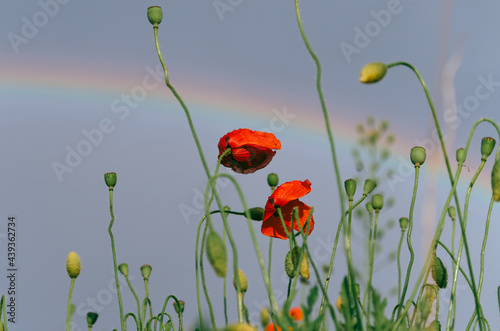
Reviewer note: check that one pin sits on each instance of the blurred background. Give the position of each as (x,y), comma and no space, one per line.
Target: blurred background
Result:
(82,94)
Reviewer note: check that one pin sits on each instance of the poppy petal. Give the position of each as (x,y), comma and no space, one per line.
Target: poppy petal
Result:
(272,226)
(243,137)
(290,191)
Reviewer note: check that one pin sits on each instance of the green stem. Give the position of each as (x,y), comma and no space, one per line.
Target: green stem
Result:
(408,238)
(68,311)
(203,281)
(399,262)
(370,272)
(115,267)
(136,300)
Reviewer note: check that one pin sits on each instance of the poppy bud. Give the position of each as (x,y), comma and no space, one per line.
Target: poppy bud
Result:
(272,180)
(461,155)
(256,213)
(452,212)
(372,72)
(495,180)
(91,318)
(369,207)
(216,253)
(110,179)
(377,202)
(350,188)
(179,308)
(403,223)
(292,261)
(439,272)
(417,156)
(487,145)
(123,268)
(155,15)
(73,265)
(264,317)
(226,208)
(304,267)
(146,271)
(243,281)
(370,185)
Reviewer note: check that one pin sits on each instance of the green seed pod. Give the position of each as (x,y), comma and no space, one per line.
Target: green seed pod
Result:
(110,179)
(495,180)
(292,261)
(369,207)
(91,318)
(452,212)
(73,265)
(439,272)
(377,202)
(272,180)
(370,185)
(417,156)
(487,146)
(461,155)
(123,268)
(216,253)
(256,213)
(179,308)
(243,281)
(146,271)
(155,15)
(350,188)
(403,223)
(372,72)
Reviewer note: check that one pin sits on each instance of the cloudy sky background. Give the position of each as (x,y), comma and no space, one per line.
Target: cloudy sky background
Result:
(69,68)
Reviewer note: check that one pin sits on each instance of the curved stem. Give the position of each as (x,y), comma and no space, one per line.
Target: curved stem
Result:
(203,282)
(136,300)
(399,262)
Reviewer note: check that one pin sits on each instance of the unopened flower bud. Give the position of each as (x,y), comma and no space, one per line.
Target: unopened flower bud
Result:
(110,179)
(403,223)
(487,146)
(292,263)
(146,271)
(179,307)
(272,180)
(265,318)
(243,281)
(439,272)
(256,213)
(350,188)
(123,268)
(73,265)
(372,72)
(461,155)
(91,318)
(452,212)
(369,207)
(216,253)
(155,15)
(377,202)
(417,156)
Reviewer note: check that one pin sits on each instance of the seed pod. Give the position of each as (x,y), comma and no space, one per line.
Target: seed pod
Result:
(439,272)
(377,202)
(91,318)
(370,185)
(146,271)
(487,146)
(403,223)
(461,155)
(123,268)
(110,179)
(452,212)
(417,156)
(216,253)
(350,188)
(372,72)
(73,265)
(155,15)
(243,281)
(495,180)
(256,213)
(272,180)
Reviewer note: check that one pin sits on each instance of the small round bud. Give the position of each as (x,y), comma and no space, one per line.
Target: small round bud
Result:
(370,185)
(256,213)
(372,72)
(272,180)
(350,188)
(369,207)
(452,212)
(110,179)
(73,265)
(155,15)
(439,272)
(226,208)
(487,146)
(461,155)
(403,223)
(123,268)
(495,180)
(216,253)
(377,202)
(179,308)
(243,281)
(265,318)
(417,156)
(91,318)
(146,271)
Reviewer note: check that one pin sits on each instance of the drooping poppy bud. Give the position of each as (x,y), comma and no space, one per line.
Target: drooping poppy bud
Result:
(243,281)
(417,156)
(73,265)
(179,307)
(372,72)
(452,212)
(216,253)
(155,15)
(256,213)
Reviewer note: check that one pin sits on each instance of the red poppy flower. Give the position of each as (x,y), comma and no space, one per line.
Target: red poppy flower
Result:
(286,196)
(250,150)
